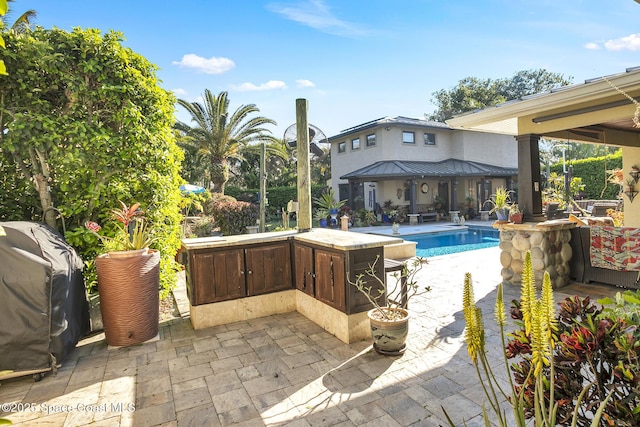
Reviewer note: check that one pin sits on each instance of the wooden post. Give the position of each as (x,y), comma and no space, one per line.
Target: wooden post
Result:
(263,186)
(304,168)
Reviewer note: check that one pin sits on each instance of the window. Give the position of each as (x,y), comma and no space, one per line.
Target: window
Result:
(429,139)
(355,144)
(371,140)
(342,147)
(408,137)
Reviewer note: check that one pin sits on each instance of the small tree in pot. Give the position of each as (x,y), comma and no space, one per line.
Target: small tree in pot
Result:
(389,317)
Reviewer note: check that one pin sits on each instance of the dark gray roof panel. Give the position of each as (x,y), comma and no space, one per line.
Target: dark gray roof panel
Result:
(407,169)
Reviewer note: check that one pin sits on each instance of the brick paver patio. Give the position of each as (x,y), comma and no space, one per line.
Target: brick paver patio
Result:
(280,370)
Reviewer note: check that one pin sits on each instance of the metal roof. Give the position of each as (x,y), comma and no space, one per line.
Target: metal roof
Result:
(412,169)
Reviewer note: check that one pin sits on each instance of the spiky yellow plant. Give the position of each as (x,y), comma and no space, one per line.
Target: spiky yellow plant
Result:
(474,332)
(527,292)
(541,325)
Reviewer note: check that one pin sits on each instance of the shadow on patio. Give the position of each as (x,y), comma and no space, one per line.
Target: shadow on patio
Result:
(278,370)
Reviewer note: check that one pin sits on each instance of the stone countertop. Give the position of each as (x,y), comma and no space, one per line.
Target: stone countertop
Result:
(330,238)
(555,224)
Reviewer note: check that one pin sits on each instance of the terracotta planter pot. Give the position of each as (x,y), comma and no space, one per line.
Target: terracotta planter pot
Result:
(516,218)
(129,297)
(389,336)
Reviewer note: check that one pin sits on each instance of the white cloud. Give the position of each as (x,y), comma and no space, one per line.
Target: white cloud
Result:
(592,46)
(302,83)
(316,14)
(211,65)
(250,87)
(179,91)
(630,42)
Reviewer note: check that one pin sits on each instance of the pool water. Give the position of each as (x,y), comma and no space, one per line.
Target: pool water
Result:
(451,242)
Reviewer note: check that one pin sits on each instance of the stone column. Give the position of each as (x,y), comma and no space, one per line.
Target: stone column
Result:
(549,247)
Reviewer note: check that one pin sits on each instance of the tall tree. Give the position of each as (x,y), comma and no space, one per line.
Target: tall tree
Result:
(472,93)
(219,136)
(23,22)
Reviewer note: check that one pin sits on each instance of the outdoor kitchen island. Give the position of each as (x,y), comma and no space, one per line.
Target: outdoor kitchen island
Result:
(235,278)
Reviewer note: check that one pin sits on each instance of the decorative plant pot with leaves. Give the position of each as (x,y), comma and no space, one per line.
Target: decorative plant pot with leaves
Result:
(516,218)
(502,214)
(389,335)
(389,319)
(128,279)
(129,297)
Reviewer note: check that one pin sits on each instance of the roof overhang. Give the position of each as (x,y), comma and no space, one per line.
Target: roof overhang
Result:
(594,112)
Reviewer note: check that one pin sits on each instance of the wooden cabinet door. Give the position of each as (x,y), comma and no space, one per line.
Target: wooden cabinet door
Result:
(330,278)
(268,268)
(217,276)
(303,265)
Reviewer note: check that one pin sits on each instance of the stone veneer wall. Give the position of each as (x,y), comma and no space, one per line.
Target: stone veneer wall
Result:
(550,251)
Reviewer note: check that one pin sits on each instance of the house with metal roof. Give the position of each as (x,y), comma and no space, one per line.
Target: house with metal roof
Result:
(420,165)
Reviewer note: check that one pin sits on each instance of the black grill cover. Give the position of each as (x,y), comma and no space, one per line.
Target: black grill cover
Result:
(43,304)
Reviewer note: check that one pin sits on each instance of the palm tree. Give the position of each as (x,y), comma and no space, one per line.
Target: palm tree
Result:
(219,136)
(23,22)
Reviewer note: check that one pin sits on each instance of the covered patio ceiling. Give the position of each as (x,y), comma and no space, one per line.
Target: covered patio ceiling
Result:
(593,111)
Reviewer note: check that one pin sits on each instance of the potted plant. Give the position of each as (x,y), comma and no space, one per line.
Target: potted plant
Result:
(389,317)
(321,216)
(128,279)
(500,202)
(516,216)
(328,202)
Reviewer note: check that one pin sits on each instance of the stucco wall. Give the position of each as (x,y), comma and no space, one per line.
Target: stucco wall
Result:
(493,149)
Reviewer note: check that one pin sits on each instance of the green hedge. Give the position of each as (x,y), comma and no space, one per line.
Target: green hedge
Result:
(593,172)
(278,197)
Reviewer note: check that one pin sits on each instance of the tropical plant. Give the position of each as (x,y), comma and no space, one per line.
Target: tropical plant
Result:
(328,201)
(131,230)
(23,22)
(540,374)
(386,300)
(219,135)
(366,217)
(499,200)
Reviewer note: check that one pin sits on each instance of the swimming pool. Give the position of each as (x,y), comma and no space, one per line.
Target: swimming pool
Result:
(451,242)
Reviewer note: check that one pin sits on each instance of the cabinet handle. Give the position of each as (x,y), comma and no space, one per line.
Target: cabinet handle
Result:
(249,272)
(241,272)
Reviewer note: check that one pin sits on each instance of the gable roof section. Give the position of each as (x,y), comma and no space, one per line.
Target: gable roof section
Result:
(412,169)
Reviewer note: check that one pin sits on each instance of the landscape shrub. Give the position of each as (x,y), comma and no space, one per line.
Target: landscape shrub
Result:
(84,120)
(232,217)
(209,205)
(597,349)
(593,172)
(202,227)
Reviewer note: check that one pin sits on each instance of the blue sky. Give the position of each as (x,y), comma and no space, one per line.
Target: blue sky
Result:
(355,60)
